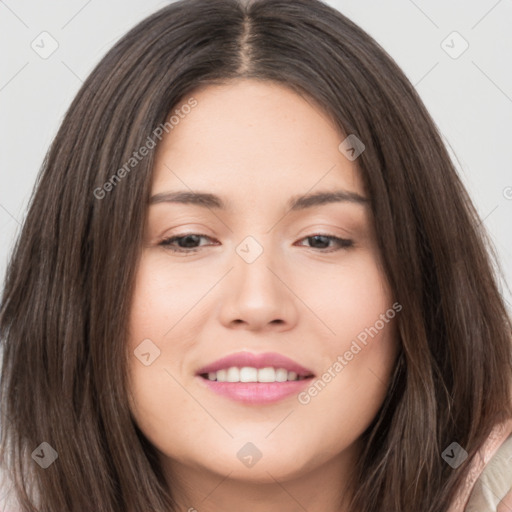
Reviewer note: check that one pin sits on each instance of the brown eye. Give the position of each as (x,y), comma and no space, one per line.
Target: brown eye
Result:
(190,242)
(183,243)
(321,242)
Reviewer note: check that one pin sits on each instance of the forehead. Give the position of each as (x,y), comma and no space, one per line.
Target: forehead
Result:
(254,138)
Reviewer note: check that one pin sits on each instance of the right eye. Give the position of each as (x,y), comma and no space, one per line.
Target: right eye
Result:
(186,243)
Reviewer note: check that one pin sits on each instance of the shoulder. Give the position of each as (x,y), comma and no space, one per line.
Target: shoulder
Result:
(493,489)
(488,487)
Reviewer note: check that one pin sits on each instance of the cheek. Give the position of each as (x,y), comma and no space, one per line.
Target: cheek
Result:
(349,297)
(359,355)
(166,316)
(347,396)
(161,299)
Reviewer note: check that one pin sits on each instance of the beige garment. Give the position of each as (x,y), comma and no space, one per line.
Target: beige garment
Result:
(488,487)
(493,489)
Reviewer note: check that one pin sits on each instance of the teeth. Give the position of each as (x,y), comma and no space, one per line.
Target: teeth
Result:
(233,375)
(267,374)
(281,375)
(249,374)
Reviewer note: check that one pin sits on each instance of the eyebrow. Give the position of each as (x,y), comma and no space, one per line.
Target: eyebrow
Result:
(295,203)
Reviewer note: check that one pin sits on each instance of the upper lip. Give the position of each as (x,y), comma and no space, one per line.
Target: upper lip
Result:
(267,359)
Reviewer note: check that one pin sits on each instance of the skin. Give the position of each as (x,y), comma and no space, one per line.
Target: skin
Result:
(257,144)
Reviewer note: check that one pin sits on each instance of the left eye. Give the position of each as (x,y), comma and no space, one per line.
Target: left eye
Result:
(343,243)
(188,243)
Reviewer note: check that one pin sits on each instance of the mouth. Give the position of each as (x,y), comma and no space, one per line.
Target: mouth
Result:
(251,374)
(255,378)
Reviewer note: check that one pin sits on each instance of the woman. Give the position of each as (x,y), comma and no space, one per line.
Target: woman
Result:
(175,339)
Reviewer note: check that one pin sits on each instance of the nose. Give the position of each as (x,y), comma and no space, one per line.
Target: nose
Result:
(258,296)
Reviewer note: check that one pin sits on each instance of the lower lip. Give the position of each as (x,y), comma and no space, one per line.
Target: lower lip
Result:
(256,392)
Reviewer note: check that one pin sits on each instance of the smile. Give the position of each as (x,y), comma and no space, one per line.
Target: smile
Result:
(255,378)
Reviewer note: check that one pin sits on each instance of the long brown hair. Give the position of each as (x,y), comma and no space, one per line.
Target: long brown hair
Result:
(68,288)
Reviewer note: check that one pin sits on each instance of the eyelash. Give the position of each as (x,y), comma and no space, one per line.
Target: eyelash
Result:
(166,243)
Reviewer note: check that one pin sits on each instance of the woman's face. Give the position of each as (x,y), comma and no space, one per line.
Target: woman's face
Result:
(253,278)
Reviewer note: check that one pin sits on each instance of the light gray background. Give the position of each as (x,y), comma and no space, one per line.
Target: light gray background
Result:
(469,97)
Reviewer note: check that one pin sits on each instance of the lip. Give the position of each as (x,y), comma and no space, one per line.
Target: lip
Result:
(241,359)
(256,392)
